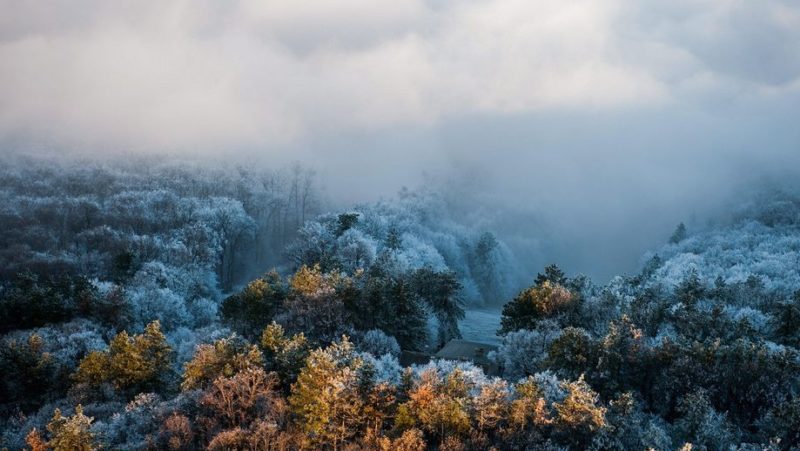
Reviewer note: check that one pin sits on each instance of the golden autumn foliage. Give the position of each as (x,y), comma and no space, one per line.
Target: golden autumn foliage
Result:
(130,363)
(326,398)
(536,303)
(580,413)
(70,433)
(225,357)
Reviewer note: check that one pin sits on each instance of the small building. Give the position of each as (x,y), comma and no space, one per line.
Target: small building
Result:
(470,351)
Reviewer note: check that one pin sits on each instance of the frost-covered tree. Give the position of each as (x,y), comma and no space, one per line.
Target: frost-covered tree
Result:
(377,343)
(230,220)
(703,426)
(487,267)
(523,352)
(440,291)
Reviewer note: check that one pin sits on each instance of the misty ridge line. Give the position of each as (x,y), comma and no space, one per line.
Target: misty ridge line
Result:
(535,235)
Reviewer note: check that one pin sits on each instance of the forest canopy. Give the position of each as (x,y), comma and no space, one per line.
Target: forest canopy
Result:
(162,306)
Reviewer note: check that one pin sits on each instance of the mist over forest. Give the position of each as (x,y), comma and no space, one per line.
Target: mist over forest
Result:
(400,225)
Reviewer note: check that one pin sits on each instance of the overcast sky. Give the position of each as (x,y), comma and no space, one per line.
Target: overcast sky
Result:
(614,116)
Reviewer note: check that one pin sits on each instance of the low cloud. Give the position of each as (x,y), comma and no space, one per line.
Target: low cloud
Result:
(584,129)
(185,75)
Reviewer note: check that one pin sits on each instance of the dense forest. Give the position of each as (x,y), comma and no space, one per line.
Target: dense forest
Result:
(156,305)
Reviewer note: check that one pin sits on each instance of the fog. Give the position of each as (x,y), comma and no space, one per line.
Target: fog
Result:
(590,191)
(582,132)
